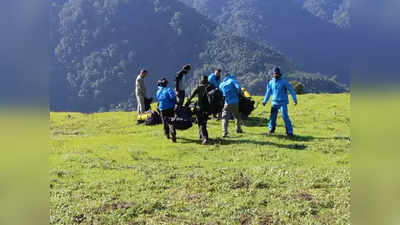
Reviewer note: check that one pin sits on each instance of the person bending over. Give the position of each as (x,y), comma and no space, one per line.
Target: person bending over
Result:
(166,103)
(278,88)
(179,82)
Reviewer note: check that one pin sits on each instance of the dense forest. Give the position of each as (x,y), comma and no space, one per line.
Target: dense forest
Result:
(100,45)
(315,33)
(336,12)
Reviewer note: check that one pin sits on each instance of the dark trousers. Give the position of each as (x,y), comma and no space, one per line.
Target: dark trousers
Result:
(202,118)
(180,98)
(169,127)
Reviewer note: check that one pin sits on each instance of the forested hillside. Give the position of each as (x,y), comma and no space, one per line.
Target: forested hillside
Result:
(315,33)
(336,11)
(100,45)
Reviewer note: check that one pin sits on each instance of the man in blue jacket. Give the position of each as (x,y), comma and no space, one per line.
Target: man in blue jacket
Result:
(279,88)
(166,103)
(215,78)
(231,90)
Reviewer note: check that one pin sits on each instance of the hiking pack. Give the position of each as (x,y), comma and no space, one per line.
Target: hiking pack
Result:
(143,116)
(246,105)
(183,119)
(150,117)
(153,119)
(147,103)
(215,100)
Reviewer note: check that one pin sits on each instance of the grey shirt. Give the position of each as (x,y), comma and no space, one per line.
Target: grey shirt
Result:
(140,86)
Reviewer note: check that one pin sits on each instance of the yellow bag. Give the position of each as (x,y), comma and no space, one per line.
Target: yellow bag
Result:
(144,116)
(246,93)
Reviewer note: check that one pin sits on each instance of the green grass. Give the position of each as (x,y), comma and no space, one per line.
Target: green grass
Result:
(104,169)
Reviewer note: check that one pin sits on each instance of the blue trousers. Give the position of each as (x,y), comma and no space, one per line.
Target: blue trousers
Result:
(274,115)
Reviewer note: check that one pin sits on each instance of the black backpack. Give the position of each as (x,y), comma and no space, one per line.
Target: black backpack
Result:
(215,99)
(147,103)
(246,105)
(183,119)
(153,119)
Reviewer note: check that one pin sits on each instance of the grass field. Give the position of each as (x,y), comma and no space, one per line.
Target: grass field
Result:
(104,169)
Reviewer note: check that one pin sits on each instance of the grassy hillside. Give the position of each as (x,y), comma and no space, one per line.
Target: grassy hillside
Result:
(104,169)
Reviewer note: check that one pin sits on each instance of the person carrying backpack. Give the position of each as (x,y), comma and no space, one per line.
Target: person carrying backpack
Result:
(166,103)
(179,82)
(201,92)
(215,78)
(231,90)
(279,88)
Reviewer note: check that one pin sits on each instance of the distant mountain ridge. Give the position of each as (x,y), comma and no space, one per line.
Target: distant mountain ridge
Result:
(100,45)
(315,33)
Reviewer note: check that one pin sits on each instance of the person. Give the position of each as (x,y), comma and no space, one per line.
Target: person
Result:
(231,90)
(201,108)
(278,88)
(179,82)
(166,103)
(140,91)
(215,78)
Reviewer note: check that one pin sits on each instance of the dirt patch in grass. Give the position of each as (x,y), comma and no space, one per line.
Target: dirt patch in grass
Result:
(262,185)
(66,133)
(79,218)
(241,181)
(110,206)
(304,196)
(138,155)
(194,197)
(266,219)
(245,220)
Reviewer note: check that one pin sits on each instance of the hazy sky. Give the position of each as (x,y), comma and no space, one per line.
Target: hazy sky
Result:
(24,49)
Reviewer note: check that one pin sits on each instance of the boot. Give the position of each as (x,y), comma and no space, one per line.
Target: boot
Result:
(271,131)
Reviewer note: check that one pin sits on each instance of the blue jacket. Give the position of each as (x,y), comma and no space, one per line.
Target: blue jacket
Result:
(231,89)
(279,88)
(212,79)
(166,98)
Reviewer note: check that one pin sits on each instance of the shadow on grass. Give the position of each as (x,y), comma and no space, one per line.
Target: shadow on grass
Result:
(255,122)
(305,138)
(223,141)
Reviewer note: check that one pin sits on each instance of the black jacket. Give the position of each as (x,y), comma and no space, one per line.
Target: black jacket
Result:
(178,80)
(202,98)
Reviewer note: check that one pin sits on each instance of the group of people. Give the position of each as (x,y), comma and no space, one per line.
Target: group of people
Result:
(170,99)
